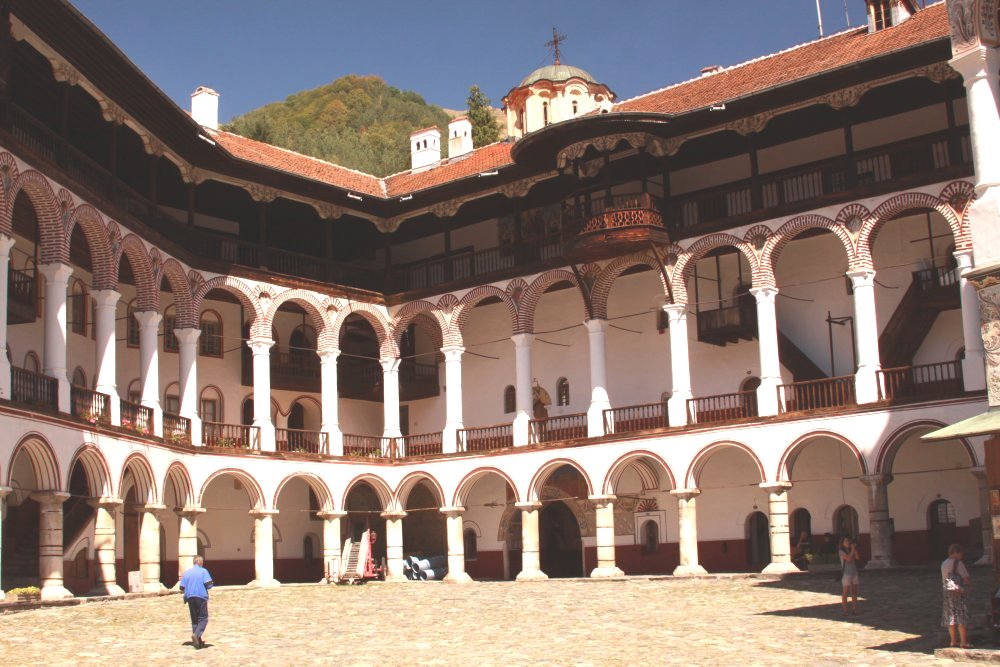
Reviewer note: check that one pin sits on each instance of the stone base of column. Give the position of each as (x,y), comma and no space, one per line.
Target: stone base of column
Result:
(391,578)
(107,589)
(689,570)
(58,592)
(449,438)
(866,385)
(531,575)
(154,587)
(521,429)
(264,583)
(880,564)
(595,419)
(677,408)
(780,568)
(458,578)
(987,559)
(974,371)
(606,573)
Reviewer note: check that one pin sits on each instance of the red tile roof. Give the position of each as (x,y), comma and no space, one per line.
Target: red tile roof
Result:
(482,159)
(793,64)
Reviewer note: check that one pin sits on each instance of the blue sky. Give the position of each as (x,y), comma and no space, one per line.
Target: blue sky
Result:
(258,51)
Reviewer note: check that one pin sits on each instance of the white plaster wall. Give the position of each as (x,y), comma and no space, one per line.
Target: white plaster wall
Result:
(227,523)
(479,236)
(801,151)
(944,341)
(707,175)
(925,472)
(900,126)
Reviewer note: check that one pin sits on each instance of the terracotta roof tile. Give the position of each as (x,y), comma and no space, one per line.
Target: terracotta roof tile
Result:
(482,159)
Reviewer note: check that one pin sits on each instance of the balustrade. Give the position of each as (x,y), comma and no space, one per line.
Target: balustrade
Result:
(230,436)
(298,440)
(631,418)
(89,405)
(365,446)
(136,417)
(722,407)
(176,429)
(835,392)
(926,381)
(485,438)
(422,444)
(560,427)
(35,389)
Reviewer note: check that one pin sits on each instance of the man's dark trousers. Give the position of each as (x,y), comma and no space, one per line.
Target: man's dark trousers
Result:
(199,616)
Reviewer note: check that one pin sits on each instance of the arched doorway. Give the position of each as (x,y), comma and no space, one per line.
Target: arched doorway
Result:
(560,542)
(364,510)
(942,529)
(845,523)
(424,528)
(758,540)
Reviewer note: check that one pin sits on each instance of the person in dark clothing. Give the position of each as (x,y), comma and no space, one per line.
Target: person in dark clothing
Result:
(195,583)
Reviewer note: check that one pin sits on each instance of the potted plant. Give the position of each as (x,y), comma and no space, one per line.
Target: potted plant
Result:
(24,594)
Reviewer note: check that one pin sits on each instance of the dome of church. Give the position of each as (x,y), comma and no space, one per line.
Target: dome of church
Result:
(557,73)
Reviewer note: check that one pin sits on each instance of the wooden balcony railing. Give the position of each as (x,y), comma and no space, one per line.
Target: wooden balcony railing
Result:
(230,436)
(366,446)
(835,392)
(631,418)
(927,381)
(21,296)
(421,444)
(935,277)
(722,408)
(619,211)
(136,417)
(34,389)
(485,438)
(176,429)
(298,440)
(89,405)
(730,323)
(560,427)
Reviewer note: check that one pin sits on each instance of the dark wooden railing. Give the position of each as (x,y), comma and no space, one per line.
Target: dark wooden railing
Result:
(618,211)
(21,296)
(176,429)
(730,323)
(835,392)
(230,436)
(722,408)
(89,405)
(367,446)
(136,417)
(560,427)
(485,438)
(631,418)
(298,440)
(421,444)
(35,389)
(927,381)
(935,277)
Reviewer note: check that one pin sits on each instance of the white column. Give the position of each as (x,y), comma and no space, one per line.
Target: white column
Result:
(105,554)
(979,68)
(394,545)
(777,521)
(187,379)
(331,544)
(149,547)
(6,243)
(531,563)
(187,538)
(330,400)
(261,348)
(974,364)
(50,544)
(770,364)
(880,523)
(522,388)
(866,335)
(599,401)
(604,509)
(4,492)
(456,546)
(453,420)
(149,365)
(986,517)
(680,367)
(105,308)
(54,362)
(687,538)
(263,548)
(390,406)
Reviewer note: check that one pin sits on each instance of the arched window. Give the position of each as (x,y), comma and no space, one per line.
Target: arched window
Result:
(297,417)
(78,308)
(131,325)
(172,399)
(509,399)
(562,391)
(79,377)
(845,523)
(575,107)
(210,340)
(210,405)
(248,412)
(308,551)
(650,537)
(31,362)
(134,391)
(302,346)
(545,113)
(469,543)
(170,343)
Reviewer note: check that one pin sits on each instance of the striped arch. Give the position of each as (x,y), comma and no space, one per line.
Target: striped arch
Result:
(43,462)
(315,311)
(96,467)
(378,484)
(139,474)
(538,287)
(893,207)
(176,275)
(645,464)
(791,453)
(468,482)
(8,172)
(179,481)
(237,288)
(960,195)
(422,309)
(791,229)
(147,291)
(52,235)
(693,476)
(374,317)
(472,299)
(250,485)
(315,483)
(407,484)
(890,446)
(91,222)
(687,259)
(601,291)
(538,481)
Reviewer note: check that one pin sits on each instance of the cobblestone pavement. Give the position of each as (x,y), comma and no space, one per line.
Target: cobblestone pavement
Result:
(795,621)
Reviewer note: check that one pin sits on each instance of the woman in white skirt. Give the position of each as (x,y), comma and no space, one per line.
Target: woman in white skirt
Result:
(955,582)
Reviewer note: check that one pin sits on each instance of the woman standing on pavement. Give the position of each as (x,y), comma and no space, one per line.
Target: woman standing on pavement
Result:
(955,581)
(849,573)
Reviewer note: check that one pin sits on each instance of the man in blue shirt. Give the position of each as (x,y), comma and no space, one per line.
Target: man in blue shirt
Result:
(195,583)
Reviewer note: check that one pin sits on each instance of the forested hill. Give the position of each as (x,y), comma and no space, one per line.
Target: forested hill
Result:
(359,122)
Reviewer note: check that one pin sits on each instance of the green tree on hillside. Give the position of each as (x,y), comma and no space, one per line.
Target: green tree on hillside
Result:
(484,124)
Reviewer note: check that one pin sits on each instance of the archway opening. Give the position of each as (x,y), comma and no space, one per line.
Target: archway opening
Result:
(299,554)
(758,541)
(424,528)
(228,527)
(729,480)
(564,512)
(489,500)
(364,512)
(78,517)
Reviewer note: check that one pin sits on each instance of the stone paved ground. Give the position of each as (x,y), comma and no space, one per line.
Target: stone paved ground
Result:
(796,621)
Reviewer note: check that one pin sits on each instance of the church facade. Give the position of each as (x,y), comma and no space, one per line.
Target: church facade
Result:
(703,329)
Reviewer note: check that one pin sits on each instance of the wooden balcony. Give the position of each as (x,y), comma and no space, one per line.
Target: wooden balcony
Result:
(366,446)
(34,389)
(633,418)
(835,392)
(176,429)
(298,440)
(722,408)
(616,225)
(485,438)
(21,297)
(420,444)
(561,427)
(924,382)
(136,417)
(729,324)
(89,405)
(230,436)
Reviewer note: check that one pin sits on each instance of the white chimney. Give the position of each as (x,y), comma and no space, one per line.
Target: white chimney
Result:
(205,107)
(459,136)
(425,148)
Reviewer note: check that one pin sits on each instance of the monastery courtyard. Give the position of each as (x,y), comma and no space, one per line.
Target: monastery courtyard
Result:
(758,621)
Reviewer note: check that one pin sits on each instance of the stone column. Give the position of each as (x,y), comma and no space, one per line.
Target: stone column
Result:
(974,364)
(261,348)
(6,243)
(187,538)
(331,544)
(599,400)
(531,564)
(986,517)
(880,523)
(105,553)
(687,537)
(149,547)
(394,545)
(187,379)
(680,368)
(263,548)
(54,355)
(453,420)
(522,388)
(604,508)
(50,544)
(456,546)
(329,400)
(4,492)
(770,364)
(866,335)
(105,306)
(149,365)
(390,386)
(777,521)
(979,67)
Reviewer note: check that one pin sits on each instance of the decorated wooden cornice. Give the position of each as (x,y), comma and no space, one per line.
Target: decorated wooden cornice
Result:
(974,23)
